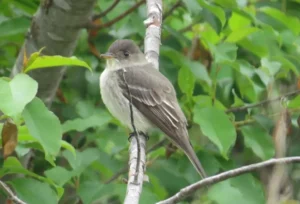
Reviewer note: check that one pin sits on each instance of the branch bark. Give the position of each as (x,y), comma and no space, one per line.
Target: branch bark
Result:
(56,27)
(152,43)
(118,18)
(153,31)
(104,13)
(264,102)
(135,182)
(226,175)
(11,194)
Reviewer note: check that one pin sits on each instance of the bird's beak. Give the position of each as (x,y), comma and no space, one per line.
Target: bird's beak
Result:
(107,55)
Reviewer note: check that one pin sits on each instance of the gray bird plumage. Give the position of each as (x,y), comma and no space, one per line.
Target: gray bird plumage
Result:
(152,94)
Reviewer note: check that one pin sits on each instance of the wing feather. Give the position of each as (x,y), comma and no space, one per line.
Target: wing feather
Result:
(155,97)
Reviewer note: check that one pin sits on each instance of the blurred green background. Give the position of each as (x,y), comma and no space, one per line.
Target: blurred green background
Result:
(219,54)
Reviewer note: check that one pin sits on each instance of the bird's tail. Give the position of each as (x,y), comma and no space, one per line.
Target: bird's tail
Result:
(189,151)
(184,143)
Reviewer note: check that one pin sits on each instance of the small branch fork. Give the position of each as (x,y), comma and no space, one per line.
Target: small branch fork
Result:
(264,102)
(104,13)
(118,18)
(226,175)
(13,197)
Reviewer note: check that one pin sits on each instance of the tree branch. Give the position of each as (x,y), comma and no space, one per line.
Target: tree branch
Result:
(226,175)
(100,15)
(175,6)
(118,18)
(57,28)
(152,43)
(236,109)
(13,197)
(125,168)
(153,31)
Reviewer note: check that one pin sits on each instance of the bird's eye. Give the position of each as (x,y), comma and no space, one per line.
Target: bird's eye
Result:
(126,54)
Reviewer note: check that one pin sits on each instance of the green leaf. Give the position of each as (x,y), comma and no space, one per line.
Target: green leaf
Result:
(186,81)
(68,146)
(82,159)
(240,34)
(238,22)
(259,141)
(14,26)
(81,124)
(216,125)
(199,71)
(242,189)
(13,166)
(33,191)
(16,94)
(44,126)
(237,101)
(204,101)
(55,61)
(246,86)
(224,52)
(295,102)
(216,10)
(91,190)
(292,23)
(59,175)
(271,67)
(192,6)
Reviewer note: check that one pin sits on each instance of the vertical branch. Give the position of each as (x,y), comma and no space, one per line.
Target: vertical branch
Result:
(152,43)
(153,31)
(134,188)
(279,178)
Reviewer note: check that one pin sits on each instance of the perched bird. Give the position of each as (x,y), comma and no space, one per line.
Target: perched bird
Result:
(152,95)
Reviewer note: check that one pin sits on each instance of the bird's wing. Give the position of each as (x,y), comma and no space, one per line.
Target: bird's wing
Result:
(154,96)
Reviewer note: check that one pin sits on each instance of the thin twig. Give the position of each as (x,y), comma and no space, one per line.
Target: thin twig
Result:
(118,18)
(226,175)
(100,15)
(189,27)
(235,109)
(13,197)
(125,168)
(175,6)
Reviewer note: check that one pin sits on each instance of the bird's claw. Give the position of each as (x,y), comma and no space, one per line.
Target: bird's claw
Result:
(132,134)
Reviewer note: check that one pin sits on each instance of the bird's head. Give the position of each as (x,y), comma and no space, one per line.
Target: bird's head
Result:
(122,53)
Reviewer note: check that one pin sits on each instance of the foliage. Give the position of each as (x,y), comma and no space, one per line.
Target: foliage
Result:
(218,54)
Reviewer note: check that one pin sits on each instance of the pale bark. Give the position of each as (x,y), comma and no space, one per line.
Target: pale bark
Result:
(152,43)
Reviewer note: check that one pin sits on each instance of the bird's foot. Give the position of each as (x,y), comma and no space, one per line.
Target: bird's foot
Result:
(132,134)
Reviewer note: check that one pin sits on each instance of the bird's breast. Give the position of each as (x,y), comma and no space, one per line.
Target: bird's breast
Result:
(117,104)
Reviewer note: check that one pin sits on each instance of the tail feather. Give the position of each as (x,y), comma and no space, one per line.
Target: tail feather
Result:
(195,161)
(183,142)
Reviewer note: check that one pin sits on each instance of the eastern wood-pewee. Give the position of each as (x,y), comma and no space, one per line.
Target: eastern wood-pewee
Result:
(152,94)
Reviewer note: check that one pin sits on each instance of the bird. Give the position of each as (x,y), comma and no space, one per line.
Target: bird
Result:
(129,78)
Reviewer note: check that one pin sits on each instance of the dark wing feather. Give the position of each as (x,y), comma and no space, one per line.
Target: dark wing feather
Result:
(154,96)
(158,103)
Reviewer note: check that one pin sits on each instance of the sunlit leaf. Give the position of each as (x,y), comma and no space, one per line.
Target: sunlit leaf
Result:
(16,94)
(55,61)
